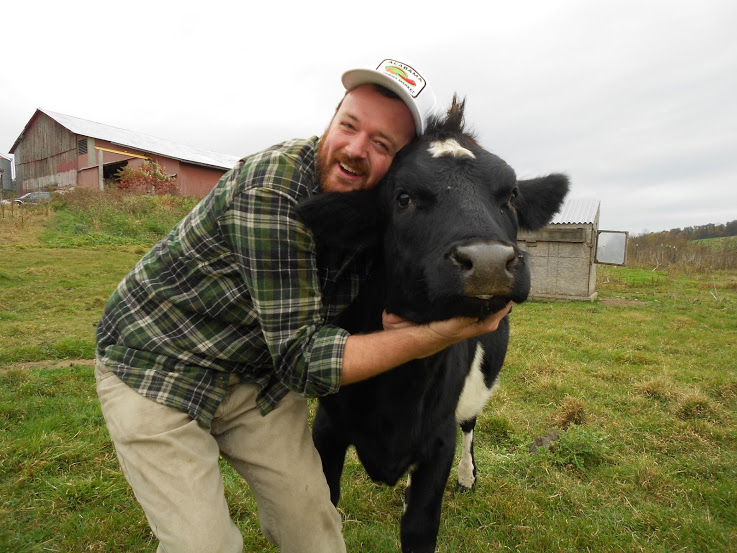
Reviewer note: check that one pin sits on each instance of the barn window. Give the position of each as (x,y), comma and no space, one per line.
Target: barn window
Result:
(82,146)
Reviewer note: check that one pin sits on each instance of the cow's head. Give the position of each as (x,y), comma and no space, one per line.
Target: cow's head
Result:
(447,215)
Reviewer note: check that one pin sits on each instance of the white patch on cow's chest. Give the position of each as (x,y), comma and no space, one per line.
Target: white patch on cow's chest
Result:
(475,394)
(449,147)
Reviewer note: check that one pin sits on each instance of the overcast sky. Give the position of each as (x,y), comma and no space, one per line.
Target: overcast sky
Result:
(635,99)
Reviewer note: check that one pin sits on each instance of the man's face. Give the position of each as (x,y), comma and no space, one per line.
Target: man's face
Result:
(364,136)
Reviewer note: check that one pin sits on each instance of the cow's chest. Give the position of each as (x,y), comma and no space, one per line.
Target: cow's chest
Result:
(396,419)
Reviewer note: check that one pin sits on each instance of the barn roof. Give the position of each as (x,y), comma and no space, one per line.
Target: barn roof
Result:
(577,211)
(144,142)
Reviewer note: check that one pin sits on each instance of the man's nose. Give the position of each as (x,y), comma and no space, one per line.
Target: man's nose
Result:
(357,147)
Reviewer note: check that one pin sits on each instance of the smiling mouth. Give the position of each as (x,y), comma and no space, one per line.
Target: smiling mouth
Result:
(349,170)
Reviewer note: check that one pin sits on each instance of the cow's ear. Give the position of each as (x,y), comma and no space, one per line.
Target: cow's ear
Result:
(346,220)
(540,199)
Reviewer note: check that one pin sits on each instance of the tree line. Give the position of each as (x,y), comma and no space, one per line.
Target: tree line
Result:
(683,248)
(699,232)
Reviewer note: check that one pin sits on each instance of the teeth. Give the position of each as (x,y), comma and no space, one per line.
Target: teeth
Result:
(348,169)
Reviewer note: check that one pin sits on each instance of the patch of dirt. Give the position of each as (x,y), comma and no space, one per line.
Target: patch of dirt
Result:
(49,364)
(546,442)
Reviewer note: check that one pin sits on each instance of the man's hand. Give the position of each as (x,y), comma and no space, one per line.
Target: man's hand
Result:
(401,341)
(450,331)
(393,322)
(461,328)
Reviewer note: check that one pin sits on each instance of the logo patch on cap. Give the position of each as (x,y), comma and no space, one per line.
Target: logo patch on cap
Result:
(405,75)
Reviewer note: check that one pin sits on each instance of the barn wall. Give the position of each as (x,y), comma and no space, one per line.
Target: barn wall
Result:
(197,181)
(49,156)
(561,261)
(89,178)
(190,180)
(88,175)
(88,157)
(46,156)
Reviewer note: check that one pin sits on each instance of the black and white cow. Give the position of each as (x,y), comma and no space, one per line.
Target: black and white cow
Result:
(444,222)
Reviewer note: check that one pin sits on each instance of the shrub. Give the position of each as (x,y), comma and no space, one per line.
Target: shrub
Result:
(149,178)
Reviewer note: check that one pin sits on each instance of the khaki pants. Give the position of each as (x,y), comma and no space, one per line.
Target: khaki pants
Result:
(171,462)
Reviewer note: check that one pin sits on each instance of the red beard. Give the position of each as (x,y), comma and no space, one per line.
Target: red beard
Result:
(357,166)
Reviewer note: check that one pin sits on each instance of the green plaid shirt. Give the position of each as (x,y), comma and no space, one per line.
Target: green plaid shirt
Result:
(235,288)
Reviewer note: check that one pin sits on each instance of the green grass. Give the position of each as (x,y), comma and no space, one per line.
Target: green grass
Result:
(640,385)
(724,243)
(58,269)
(52,298)
(89,218)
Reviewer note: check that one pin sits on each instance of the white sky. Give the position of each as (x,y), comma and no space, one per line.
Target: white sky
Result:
(635,99)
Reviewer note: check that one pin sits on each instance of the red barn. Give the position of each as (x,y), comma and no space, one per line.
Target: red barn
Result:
(59,151)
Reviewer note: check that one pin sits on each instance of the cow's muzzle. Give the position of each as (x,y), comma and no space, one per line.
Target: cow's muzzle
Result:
(486,269)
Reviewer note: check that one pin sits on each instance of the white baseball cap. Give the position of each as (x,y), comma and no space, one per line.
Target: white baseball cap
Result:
(404,80)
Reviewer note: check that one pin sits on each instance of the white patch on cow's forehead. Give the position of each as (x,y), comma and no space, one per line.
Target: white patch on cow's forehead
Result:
(449,147)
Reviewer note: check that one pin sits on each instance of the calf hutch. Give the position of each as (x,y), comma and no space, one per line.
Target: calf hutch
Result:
(59,151)
(563,255)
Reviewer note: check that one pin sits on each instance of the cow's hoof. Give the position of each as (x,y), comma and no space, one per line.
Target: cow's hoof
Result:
(460,488)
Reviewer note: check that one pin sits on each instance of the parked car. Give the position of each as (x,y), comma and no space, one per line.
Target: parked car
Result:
(33,198)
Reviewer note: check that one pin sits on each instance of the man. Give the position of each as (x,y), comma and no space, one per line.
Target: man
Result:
(210,345)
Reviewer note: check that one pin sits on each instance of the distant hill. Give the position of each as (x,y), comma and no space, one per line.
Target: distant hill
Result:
(688,234)
(703,248)
(721,243)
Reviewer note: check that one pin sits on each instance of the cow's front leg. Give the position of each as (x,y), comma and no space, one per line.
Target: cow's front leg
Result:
(332,447)
(467,464)
(424,495)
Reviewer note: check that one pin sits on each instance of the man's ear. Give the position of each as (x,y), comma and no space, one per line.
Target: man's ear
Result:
(343,220)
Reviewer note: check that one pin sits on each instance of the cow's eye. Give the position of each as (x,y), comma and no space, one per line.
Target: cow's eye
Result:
(403,200)
(512,197)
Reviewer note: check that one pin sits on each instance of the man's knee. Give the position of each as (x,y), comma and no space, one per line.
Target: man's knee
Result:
(306,522)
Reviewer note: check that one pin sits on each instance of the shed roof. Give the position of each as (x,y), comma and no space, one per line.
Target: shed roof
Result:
(139,141)
(577,211)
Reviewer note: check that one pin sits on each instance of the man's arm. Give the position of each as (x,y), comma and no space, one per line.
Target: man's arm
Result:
(367,355)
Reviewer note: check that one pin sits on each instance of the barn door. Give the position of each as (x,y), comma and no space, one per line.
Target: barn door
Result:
(611,247)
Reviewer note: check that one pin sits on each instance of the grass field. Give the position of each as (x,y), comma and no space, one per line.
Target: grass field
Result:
(727,242)
(641,386)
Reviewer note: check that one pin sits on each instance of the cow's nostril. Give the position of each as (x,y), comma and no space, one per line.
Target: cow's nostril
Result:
(463,261)
(514,262)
